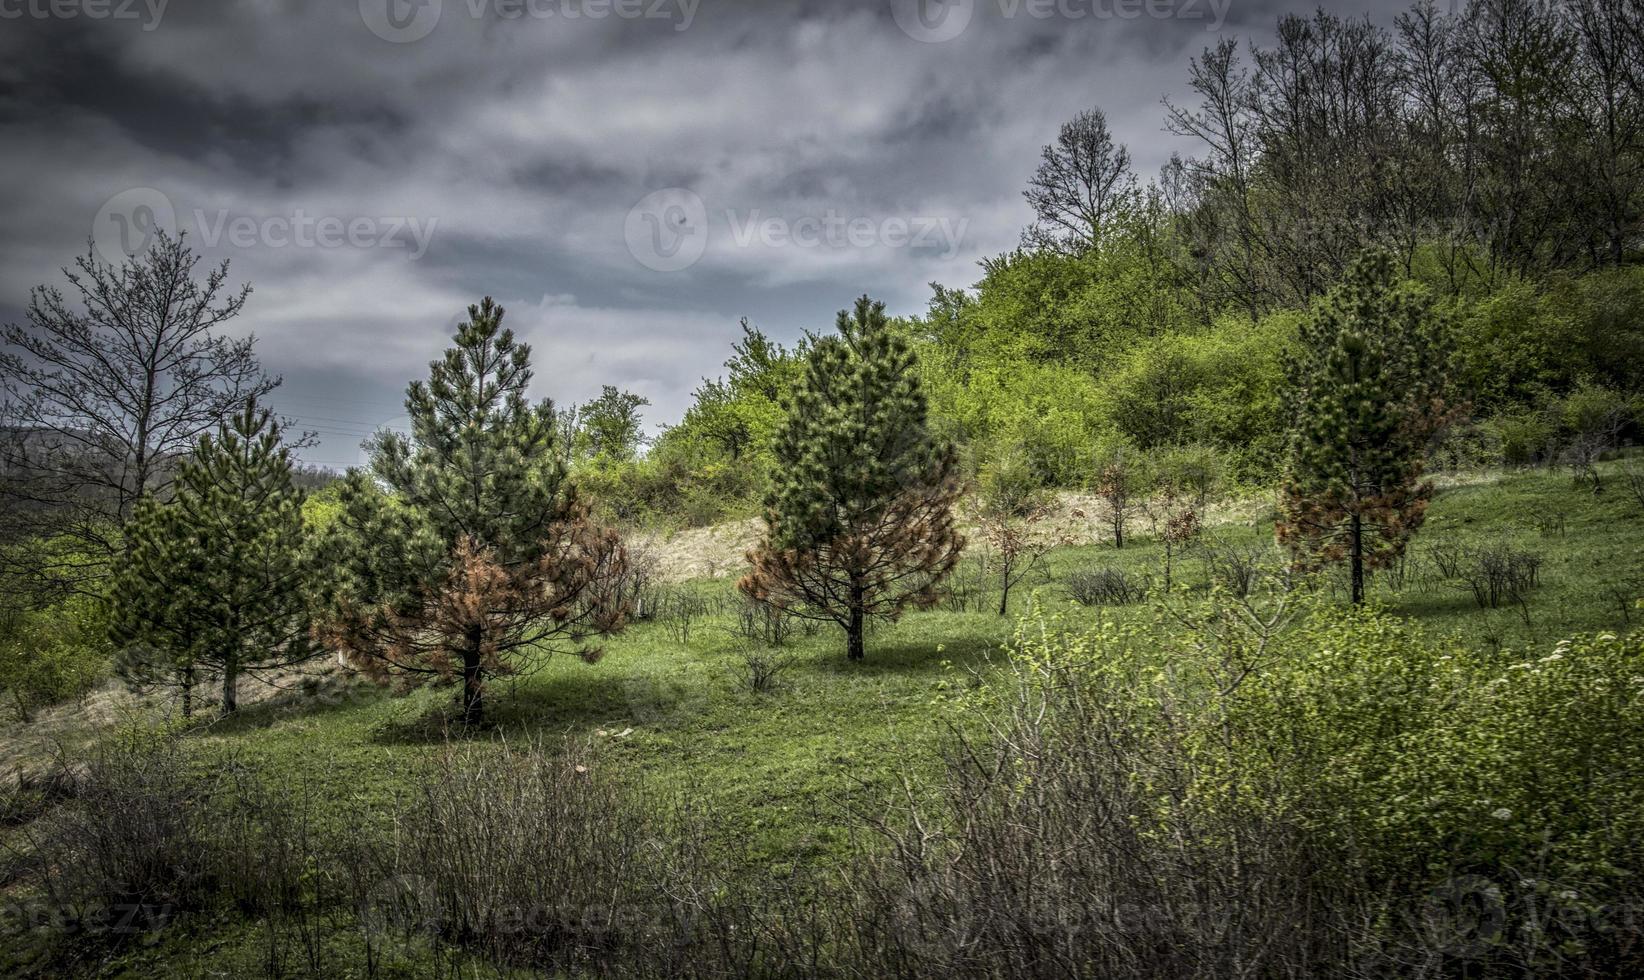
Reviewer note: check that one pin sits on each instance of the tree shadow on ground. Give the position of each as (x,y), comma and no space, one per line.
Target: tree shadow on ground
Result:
(908,652)
(300,702)
(567,703)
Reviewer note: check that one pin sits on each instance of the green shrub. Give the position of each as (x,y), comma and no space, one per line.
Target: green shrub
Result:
(1424,755)
(1523,436)
(51,655)
(1424,770)
(1008,483)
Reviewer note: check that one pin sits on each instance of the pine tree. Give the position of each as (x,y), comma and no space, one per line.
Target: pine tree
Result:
(1365,395)
(859,522)
(216,579)
(479,554)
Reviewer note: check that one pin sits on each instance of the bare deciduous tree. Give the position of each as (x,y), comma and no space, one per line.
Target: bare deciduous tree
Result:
(1083,183)
(1121,482)
(1221,226)
(101,397)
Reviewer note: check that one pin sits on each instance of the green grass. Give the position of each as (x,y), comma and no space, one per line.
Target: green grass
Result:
(775,769)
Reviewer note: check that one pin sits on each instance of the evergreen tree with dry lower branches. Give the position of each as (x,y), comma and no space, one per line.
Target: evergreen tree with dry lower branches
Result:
(1365,396)
(859,522)
(464,553)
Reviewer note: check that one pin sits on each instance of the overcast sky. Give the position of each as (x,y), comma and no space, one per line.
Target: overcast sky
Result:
(627,177)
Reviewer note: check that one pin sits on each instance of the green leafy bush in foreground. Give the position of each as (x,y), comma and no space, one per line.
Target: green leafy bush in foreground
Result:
(1447,805)
(1256,785)
(1435,758)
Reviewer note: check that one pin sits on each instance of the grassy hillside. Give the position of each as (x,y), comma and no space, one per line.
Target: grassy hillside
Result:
(670,710)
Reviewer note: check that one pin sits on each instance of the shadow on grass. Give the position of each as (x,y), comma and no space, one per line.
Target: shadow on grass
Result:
(566,703)
(640,690)
(1456,602)
(969,639)
(329,698)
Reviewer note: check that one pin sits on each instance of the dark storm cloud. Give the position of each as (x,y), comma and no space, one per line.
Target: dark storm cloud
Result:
(165,113)
(513,148)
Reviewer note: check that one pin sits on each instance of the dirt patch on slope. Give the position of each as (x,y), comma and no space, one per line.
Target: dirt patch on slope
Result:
(1077,518)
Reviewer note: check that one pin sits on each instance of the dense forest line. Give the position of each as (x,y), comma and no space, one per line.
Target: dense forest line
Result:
(1497,151)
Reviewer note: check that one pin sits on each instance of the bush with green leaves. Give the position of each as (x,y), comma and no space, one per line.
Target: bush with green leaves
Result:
(1422,753)
(1008,484)
(1522,436)
(1591,421)
(51,655)
(1419,765)
(1049,411)
(1526,338)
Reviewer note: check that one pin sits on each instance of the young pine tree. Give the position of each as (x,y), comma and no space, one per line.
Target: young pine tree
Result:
(215,581)
(479,554)
(1365,395)
(860,518)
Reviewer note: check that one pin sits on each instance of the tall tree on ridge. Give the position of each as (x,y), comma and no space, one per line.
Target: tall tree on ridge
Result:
(1083,184)
(609,427)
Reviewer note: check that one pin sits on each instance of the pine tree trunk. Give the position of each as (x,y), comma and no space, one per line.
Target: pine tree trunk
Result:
(1357,553)
(854,632)
(1355,528)
(186,681)
(231,686)
(473,694)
